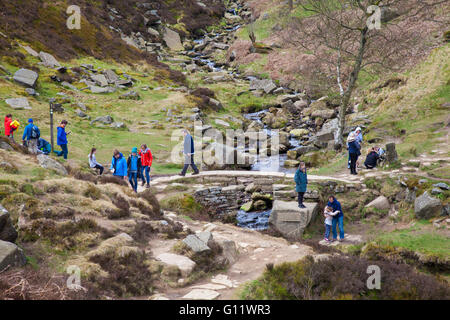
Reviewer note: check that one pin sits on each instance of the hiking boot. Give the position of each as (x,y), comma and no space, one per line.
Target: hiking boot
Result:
(147,186)
(143,183)
(195,173)
(301,206)
(182,174)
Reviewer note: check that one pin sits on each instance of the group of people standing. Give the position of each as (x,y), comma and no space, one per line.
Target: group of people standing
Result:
(354,142)
(31,137)
(138,165)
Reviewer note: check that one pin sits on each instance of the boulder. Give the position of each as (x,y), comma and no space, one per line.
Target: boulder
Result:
(96,89)
(380,203)
(131,95)
(100,80)
(426,207)
(266,84)
(153,32)
(25,77)
(172,40)
(18,103)
(183,263)
(441,185)
(291,163)
(298,133)
(328,130)
(195,244)
(48,60)
(260,205)
(206,237)
(7,230)
(229,251)
(110,76)
(324,114)
(11,255)
(247,207)
(48,163)
(104,119)
(288,219)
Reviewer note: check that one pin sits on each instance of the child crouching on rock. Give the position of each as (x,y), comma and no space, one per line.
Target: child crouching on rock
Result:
(328,214)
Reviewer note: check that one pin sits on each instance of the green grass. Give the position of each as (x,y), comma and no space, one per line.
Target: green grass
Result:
(418,238)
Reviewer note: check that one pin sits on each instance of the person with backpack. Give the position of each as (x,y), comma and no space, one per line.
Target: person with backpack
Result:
(146,164)
(134,167)
(119,165)
(44,146)
(31,136)
(354,152)
(10,126)
(61,139)
(93,161)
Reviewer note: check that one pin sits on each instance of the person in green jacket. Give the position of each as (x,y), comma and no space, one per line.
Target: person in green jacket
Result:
(301,182)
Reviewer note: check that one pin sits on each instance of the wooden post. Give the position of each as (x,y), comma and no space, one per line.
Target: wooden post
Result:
(52,100)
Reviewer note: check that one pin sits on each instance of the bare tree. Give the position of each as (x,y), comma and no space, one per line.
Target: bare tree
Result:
(347,36)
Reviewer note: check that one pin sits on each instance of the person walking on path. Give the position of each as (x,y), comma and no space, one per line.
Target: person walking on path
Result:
(338,219)
(61,140)
(93,161)
(10,126)
(354,152)
(301,182)
(119,165)
(134,167)
(188,154)
(146,164)
(31,136)
(359,139)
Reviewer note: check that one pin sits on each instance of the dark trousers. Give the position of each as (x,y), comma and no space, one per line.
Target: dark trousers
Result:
(99,167)
(353,159)
(189,161)
(132,177)
(64,151)
(145,178)
(300,197)
(327,231)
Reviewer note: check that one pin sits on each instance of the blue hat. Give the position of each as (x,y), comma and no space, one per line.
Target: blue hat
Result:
(30,120)
(134,150)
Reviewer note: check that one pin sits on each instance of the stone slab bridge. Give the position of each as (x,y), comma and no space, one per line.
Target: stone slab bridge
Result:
(224,192)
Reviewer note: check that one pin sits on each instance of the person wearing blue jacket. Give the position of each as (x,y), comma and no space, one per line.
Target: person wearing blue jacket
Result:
(134,166)
(337,219)
(31,136)
(359,140)
(354,152)
(61,140)
(301,182)
(119,165)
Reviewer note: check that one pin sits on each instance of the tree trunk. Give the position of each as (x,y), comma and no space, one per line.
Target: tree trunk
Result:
(291,5)
(345,98)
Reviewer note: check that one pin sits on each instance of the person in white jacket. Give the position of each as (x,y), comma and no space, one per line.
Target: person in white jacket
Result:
(93,161)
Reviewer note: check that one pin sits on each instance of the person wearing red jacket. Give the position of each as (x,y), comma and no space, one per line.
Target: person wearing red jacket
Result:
(8,129)
(146,164)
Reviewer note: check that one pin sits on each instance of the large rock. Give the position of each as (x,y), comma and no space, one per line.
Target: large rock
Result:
(111,76)
(195,244)
(324,114)
(100,79)
(290,220)
(104,119)
(266,84)
(11,255)
(7,230)
(298,133)
(48,60)
(229,251)
(328,130)
(183,263)
(426,207)
(48,163)
(172,40)
(26,77)
(380,203)
(18,103)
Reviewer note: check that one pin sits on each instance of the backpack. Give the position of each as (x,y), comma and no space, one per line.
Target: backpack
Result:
(35,133)
(14,125)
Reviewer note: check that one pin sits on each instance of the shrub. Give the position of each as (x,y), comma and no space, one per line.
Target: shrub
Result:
(343,277)
(123,208)
(92,192)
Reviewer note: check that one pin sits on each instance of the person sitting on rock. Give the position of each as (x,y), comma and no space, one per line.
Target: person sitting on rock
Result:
(93,161)
(44,146)
(134,168)
(329,214)
(301,182)
(371,159)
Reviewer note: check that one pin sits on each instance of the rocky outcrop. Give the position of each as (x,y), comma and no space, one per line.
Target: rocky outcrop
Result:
(48,163)
(288,219)
(7,230)
(48,60)
(426,207)
(11,255)
(25,77)
(172,40)
(380,203)
(18,103)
